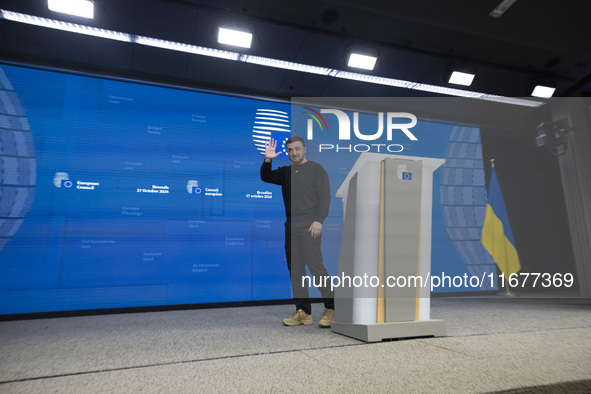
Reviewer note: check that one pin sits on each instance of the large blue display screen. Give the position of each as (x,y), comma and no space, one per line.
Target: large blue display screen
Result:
(119,194)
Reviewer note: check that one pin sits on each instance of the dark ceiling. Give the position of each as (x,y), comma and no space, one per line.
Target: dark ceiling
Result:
(415,40)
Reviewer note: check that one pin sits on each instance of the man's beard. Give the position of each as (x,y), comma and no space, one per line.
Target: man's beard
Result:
(297,161)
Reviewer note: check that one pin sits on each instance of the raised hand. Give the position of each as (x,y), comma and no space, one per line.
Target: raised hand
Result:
(270,147)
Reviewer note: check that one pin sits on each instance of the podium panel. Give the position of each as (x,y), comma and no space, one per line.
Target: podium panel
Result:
(386,235)
(402,213)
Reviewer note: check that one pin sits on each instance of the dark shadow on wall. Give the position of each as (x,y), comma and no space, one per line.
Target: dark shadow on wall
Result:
(532,189)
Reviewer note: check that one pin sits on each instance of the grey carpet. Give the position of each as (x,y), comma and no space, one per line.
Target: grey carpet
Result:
(492,344)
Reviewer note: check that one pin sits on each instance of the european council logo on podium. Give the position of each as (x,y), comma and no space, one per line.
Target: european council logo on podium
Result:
(402,173)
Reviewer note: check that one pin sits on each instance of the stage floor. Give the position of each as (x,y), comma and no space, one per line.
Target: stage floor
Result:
(493,344)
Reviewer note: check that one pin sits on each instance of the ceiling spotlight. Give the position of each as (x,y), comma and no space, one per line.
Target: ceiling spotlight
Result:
(543,91)
(83,8)
(362,61)
(461,78)
(234,37)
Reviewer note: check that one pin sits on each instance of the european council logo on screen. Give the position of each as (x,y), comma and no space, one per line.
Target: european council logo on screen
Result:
(270,123)
(62,179)
(193,187)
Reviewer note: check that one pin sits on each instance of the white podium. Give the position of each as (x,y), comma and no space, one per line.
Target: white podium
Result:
(386,242)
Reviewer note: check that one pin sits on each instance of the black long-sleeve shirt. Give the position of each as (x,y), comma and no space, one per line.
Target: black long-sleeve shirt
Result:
(305,189)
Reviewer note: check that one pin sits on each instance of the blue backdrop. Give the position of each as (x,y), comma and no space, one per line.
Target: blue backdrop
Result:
(120,194)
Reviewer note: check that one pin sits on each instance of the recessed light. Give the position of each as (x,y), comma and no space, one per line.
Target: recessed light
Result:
(461,78)
(234,37)
(543,91)
(83,8)
(362,61)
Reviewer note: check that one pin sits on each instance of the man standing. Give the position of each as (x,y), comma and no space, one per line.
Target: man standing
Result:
(306,195)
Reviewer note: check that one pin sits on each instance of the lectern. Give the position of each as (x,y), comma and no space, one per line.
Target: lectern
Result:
(384,285)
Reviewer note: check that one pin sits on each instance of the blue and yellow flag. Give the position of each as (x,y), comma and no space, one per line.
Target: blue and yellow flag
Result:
(497,237)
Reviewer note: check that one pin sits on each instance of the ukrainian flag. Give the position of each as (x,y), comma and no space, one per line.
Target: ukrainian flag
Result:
(497,237)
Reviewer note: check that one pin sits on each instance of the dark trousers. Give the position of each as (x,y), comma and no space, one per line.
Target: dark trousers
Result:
(302,250)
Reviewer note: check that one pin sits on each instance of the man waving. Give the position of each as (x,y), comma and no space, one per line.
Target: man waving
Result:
(306,195)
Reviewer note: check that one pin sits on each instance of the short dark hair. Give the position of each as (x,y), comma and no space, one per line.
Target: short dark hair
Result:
(295,138)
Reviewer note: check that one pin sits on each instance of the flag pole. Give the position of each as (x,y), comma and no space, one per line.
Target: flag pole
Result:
(508,292)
